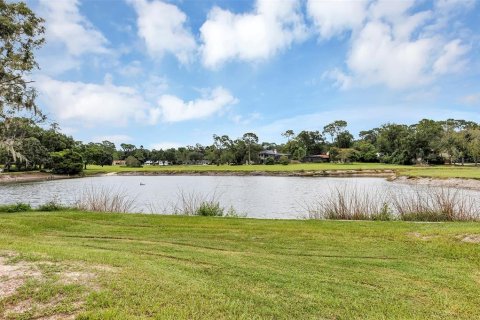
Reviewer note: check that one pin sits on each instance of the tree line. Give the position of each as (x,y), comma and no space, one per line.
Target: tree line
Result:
(426,142)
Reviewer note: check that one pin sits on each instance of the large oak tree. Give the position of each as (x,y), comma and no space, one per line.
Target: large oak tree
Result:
(21,33)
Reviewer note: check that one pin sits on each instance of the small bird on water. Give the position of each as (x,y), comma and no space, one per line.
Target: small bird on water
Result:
(142,184)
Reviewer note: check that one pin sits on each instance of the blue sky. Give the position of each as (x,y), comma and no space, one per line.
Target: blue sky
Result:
(170,73)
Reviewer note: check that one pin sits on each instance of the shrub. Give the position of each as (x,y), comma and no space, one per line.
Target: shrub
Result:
(385,214)
(210,209)
(269,161)
(233,213)
(133,162)
(18,207)
(198,204)
(66,162)
(430,216)
(51,206)
(284,160)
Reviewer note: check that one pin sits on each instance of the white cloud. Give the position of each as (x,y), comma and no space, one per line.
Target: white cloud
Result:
(116,138)
(65,25)
(57,61)
(393,46)
(162,27)
(153,86)
(108,104)
(334,17)
(243,120)
(174,109)
(340,79)
(93,103)
(452,58)
(247,119)
(131,69)
(68,130)
(454,5)
(471,99)
(166,145)
(273,26)
(378,57)
(390,10)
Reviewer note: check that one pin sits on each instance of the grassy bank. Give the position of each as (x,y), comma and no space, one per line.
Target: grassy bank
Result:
(412,171)
(442,172)
(172,267)
(92,169)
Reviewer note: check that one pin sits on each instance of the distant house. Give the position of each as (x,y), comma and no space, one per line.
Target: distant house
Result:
(203,162)
(265,154)
(157,163)
(317,158)
(119,162)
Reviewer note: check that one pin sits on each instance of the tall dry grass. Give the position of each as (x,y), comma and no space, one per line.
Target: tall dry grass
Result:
(105,199)
(195,203)
(414,204)
(435,204)
(351,203)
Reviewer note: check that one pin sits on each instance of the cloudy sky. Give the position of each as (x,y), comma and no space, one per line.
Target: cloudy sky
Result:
(169,73)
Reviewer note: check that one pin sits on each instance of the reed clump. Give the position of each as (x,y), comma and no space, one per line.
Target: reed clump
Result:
(104,199)
(346,203)
(435,204)
(416,204)
(198,204)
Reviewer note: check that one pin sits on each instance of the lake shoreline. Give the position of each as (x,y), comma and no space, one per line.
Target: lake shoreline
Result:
(390,175)
(456,183)
(8,178)
(310,173)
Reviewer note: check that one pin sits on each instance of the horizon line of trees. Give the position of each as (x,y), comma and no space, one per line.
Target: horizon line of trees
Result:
(426,142)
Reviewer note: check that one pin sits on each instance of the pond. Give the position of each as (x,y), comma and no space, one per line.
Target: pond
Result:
(254,196)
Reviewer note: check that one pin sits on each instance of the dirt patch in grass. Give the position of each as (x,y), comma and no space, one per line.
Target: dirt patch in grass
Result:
(421,236)
(470,238)
(13,276)
(38,289)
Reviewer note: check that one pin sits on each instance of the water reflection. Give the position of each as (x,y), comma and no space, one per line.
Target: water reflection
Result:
(258,197)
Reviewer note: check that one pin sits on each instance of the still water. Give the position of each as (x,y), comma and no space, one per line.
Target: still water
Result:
(255,196)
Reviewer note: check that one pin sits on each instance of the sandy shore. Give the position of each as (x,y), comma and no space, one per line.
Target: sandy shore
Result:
(31,177)
(470,184)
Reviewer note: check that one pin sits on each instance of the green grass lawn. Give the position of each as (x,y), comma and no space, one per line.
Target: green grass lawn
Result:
(93,169)
(466,172)
(176,267)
